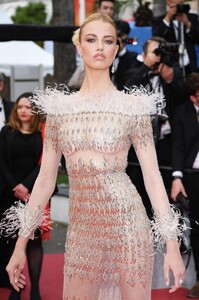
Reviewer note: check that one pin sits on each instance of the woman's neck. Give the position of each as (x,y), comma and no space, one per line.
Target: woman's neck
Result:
(25,128)
(97,82)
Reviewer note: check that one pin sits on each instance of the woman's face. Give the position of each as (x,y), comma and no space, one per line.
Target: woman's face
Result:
(98,45)
(24,110)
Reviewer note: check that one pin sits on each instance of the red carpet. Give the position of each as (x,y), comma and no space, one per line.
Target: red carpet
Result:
(52,280)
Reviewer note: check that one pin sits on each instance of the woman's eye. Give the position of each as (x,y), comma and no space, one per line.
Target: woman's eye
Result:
(108,42)
(91,40)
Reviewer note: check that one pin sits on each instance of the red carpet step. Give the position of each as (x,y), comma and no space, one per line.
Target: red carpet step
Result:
(52,280)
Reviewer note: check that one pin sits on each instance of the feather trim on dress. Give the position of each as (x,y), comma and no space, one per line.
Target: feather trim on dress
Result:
(21,217)
(131,102)
(170,226)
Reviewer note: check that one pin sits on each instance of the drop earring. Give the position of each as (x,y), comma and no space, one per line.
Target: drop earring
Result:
(113,67)
(81,63)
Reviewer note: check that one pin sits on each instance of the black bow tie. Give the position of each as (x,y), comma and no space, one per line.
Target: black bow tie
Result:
(152,75)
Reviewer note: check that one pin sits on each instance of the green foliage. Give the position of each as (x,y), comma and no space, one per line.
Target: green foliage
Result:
(33,13)
(62,179)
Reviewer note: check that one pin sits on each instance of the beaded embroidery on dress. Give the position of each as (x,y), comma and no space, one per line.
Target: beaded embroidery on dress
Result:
(109,246)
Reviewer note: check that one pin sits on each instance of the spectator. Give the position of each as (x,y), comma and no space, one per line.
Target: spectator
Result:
(149,72)
(180,26)
(5,105)
(20,152)
(185,163)
(124,58)
(106,7)
(143,15)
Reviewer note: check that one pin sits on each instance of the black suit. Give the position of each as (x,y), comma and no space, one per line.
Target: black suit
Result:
(8,105)
(191,38)
(184,150)
(174,94)
(125,62)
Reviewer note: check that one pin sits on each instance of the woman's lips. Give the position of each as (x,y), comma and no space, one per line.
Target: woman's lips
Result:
(99,56)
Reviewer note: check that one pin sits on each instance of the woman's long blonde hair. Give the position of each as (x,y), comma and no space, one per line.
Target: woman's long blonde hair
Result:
(94,17)
(14,121)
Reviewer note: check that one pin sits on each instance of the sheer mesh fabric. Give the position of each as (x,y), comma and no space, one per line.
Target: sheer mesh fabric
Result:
(109,248)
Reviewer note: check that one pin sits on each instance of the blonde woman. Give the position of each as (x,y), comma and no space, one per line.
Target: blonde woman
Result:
(109,247)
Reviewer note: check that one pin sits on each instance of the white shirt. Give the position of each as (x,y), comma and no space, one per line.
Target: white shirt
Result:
(2,114)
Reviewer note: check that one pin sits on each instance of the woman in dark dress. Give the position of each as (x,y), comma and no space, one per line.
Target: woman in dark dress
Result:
(20,152)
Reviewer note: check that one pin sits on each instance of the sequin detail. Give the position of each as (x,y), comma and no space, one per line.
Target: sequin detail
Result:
(109,246)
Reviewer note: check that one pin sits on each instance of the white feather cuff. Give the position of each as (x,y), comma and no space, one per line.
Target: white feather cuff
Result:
(169,226)
(21,217)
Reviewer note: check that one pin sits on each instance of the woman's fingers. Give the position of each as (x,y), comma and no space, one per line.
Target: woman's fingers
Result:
(17,279)
(178,281)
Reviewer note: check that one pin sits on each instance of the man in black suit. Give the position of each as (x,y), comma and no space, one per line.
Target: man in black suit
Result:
(180,26)
(5,105)
(150,72)
(124,59)
(185,163)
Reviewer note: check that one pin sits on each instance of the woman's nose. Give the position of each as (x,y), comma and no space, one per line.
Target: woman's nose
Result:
(100,45)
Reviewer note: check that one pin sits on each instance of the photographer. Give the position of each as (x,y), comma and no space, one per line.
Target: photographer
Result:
(180,26)
(125,58)
(149,71)
(185,163)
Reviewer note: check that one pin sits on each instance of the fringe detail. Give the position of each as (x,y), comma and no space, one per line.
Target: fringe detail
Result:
(132,101)
(170,226)
(20,217)
(155,99)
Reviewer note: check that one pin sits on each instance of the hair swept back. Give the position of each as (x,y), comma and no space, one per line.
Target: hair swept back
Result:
(94,17)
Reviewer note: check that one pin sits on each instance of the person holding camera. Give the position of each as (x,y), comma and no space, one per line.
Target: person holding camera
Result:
(185,163)
(151,72)
(124,58)
(180,26)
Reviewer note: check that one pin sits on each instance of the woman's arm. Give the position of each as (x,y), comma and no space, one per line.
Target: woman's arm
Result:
(166,222)
(31,216)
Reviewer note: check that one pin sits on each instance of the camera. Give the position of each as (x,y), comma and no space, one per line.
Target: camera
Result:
(182,8)
(168,52)
(129,40)
(182,202)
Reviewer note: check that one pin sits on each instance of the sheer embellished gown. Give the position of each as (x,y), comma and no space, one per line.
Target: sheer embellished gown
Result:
(109,252)
(109,246)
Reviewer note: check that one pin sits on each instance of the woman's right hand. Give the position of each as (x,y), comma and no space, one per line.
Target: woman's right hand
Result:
(15,269)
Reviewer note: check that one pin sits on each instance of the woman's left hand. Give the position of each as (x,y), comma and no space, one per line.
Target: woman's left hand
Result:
(21,192)
(173,262)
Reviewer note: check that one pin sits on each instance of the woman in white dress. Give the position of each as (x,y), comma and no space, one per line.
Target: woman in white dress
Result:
(109,245)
